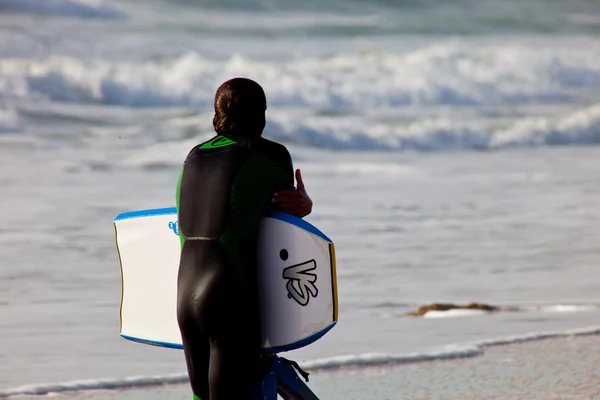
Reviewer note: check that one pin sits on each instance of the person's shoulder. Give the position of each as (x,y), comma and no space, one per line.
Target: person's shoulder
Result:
(191,153)
(212,144)
(269,148)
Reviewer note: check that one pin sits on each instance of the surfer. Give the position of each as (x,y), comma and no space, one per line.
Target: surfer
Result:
(226,185)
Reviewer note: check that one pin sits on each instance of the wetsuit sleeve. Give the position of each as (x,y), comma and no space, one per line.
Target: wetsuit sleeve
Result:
(253,188)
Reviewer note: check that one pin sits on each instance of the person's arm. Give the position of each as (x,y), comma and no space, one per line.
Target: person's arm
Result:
(254,186)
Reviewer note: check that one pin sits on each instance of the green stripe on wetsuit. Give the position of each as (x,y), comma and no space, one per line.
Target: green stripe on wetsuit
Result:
(219,141)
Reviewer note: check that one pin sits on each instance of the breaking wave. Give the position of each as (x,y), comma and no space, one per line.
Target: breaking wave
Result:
(580,127)
(64,8)
(440,74)
(9,120)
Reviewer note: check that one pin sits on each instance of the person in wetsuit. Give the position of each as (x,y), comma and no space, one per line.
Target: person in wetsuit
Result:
(226,185)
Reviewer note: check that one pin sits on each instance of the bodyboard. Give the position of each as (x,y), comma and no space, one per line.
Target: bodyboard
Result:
(296,279)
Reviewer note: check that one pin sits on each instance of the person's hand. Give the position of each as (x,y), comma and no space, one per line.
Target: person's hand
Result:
(296,201)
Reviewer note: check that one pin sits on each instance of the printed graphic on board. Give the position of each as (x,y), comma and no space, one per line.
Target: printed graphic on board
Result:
(301,281)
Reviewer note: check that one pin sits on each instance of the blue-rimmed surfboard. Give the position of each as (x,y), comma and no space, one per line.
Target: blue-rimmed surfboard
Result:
(296,276)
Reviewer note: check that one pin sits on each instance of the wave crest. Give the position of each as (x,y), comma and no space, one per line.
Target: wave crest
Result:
(9,120)
(579,127)
(64,8)
(442,74)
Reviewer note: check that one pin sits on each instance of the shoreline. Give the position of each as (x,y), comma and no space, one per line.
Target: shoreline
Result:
(546,368)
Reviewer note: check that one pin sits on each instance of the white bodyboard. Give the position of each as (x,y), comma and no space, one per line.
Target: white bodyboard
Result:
(296,277)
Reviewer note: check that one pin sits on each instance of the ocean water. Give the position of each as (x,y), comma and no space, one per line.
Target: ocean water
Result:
(451,150)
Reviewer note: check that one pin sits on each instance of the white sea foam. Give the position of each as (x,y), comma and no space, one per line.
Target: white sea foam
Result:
(432,134)
(568,308)
(457,313)
(537,336)
(95,384)
(447,74)
(366,168)
(375,359)
(453,351)
(9,120)
(581,127)
(552,308)
(66,8)
(578,127)
(359,83)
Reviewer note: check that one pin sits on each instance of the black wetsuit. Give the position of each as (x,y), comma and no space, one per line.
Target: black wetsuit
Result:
(224,189)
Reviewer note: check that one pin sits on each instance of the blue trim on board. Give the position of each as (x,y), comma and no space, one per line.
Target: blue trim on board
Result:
(276,349)
(300,343)
(291,219)
(153,343)
(299,222)
(146,213)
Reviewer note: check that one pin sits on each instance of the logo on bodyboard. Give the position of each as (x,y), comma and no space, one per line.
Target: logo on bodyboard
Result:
(300,280)
(174,226)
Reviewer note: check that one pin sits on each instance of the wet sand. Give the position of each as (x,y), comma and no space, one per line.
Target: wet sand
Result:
(551,369)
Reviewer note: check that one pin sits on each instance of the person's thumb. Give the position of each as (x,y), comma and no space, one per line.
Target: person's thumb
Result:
(299,180)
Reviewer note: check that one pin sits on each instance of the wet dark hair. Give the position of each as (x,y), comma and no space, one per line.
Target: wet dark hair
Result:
(240,105)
